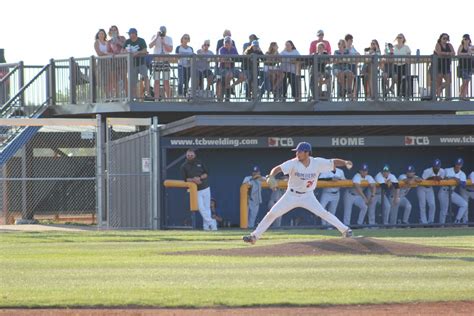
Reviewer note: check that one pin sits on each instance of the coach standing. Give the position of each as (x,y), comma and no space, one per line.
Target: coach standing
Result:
(193,170)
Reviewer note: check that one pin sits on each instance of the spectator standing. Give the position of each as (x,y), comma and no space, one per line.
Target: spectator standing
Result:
(162,44)
(227,70)
(221,42)
(194,170)
(401,65)
(118,71)
(324,79)
(465,53)
(388,71)
(353,65)
(202,66)
(248,66)
(273,76)
(291,69)
(103,65)
(314,44)
(372,50)
(444,50)
(252,38)
(255,194)
(136,46)
(426,193)
(184,65)
(345,77)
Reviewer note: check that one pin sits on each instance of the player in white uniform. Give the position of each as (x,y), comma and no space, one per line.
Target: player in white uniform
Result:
(330,196)
(303,171)
(468,193)
(409,178)
(360,197)
(426,193)
(387,182)
(255,194)
(443,195)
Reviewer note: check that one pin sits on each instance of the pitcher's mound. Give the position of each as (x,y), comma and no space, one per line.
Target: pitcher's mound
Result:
(352,246)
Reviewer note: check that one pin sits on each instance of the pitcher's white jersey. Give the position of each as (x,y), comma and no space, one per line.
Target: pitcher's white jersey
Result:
(304,179)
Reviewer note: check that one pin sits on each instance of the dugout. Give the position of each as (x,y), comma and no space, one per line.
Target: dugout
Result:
(231,145)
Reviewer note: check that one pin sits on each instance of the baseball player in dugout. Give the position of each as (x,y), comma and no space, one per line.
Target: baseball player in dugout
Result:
(409,178)
(255,194)
(303,172)
(388,184)
(194,170)
(426,193)
(449,194)
(360,197)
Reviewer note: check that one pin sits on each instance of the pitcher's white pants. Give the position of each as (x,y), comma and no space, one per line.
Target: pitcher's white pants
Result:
(426,195)
(329,200)
(291,200)
(204,205)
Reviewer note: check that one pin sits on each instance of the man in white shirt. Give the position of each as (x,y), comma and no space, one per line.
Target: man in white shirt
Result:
(163,45)
(409,178)
(453,173)
(387,182)
(303,171)
(426,193)
(359,196)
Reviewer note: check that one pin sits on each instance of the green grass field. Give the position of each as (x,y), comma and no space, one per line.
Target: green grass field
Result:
(119,268)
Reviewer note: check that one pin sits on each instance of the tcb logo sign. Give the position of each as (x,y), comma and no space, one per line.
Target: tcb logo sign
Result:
(280,142)
(417,140)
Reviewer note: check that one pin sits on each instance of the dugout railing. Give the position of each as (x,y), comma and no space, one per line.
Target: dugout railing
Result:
(244,190)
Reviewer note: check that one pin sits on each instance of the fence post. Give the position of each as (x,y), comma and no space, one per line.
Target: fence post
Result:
(72,80)
(254,74)
(373,74)
(99,169)
(315,74)
(155,188)
(51,83)
(132,80)
(434,75)
(92,81)
(21,82)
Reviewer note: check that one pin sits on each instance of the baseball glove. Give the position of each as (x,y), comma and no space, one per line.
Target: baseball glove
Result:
(272,182)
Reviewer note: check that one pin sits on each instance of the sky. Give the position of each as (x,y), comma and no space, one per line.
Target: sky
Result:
(34,31)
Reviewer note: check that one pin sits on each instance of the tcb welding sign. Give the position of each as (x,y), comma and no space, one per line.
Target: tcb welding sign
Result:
(417,140)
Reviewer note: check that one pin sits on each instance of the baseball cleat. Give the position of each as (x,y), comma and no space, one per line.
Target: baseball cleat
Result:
(347,233)
(250,239)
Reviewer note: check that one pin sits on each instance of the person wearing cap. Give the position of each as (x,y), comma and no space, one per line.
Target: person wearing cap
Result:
(465,53)
(194,170)
(162,44)
(248,67)
(448,195)
(314,44)
(202,66)
(252,37)
(303,172)
(359,196)
(388,184)
(255,194)
(426,193)
(136,46)
(409,179)
(330,196)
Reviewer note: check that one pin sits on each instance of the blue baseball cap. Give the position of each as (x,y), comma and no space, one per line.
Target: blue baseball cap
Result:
(386,168)
(255,169)
(254,43)
(132,30)
(364,167)
(459,162)
(303,146)
(437,163)
(411,168)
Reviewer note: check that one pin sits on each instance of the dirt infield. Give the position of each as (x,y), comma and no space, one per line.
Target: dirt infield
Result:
(435,308)
(352,246)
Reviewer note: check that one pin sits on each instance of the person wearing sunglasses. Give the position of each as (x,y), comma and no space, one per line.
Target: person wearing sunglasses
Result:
(444,50)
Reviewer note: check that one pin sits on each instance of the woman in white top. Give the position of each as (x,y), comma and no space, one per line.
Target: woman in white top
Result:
(184,64)
(103,66)
(400,76)
(291,69)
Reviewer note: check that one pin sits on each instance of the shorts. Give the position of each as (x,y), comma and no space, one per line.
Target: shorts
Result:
(465,73)
(140,69)
(223,72)
(161,67)
(205,73)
